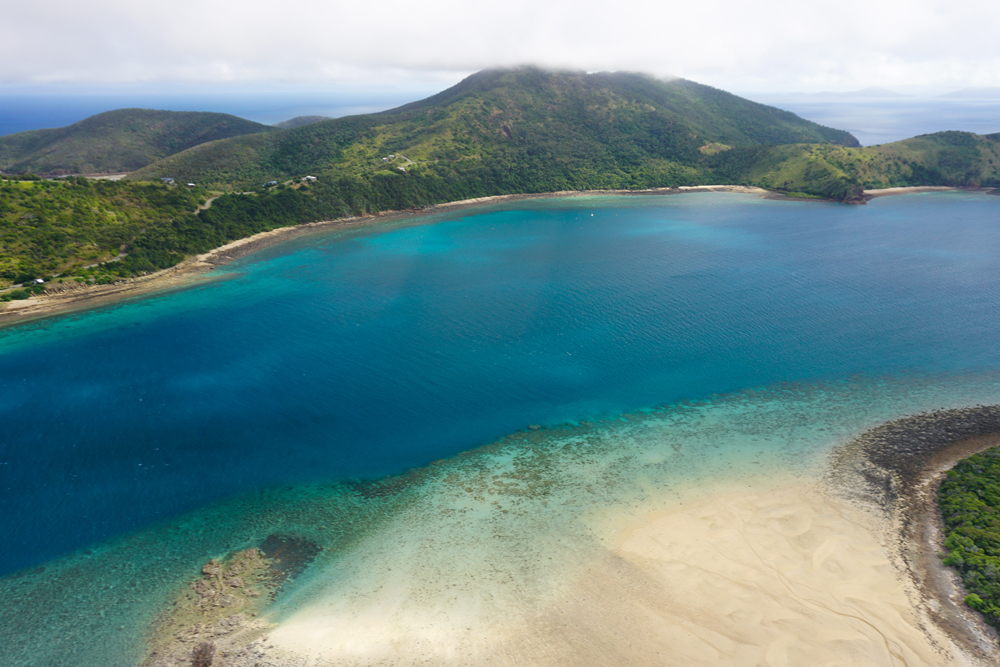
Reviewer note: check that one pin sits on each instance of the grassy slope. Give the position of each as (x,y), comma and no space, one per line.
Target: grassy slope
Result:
(117,141)
(523,130)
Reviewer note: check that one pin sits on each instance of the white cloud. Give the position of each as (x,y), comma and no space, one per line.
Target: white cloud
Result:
(772,44)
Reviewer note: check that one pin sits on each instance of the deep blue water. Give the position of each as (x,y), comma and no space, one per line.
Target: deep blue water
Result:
(361,354)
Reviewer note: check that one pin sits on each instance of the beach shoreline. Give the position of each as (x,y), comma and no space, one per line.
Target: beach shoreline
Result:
(939,585)
(78,297)
(777,569)
(908,190)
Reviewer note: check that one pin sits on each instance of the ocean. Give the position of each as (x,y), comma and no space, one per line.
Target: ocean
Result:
(592,350)
(883,120)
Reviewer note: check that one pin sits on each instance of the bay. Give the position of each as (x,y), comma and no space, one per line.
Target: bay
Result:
(146,436)
(357,355)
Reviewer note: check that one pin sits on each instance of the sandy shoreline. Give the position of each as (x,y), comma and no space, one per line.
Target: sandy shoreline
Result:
(897,469)
(779,576)
(771,569)
(889,192)
(81,297)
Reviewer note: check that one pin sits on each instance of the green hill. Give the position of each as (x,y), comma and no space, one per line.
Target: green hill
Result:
(116,141)
(959,159)
(506,131)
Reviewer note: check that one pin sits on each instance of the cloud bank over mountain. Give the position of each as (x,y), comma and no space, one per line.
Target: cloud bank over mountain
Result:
(768,45)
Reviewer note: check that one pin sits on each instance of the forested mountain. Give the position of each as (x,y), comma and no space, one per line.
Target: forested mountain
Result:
(516,130)
(116,141)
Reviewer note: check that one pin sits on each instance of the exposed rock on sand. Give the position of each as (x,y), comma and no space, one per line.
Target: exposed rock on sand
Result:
(216,621)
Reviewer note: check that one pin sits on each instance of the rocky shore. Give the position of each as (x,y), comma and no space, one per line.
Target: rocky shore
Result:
(894,471)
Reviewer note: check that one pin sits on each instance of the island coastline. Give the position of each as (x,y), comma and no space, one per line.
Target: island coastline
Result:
(78,297)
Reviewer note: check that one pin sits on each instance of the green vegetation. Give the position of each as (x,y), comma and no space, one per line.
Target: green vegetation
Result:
(18,294)
(529,130)
(497,132)
(511,131)
(299,121)
(117,141)
(958,159)
(103,231)
(49,227)
(970,505)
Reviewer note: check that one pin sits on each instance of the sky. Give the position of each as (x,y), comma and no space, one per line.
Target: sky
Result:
(741,46)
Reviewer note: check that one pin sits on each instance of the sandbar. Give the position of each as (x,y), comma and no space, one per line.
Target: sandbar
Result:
(774,569)
(787,575)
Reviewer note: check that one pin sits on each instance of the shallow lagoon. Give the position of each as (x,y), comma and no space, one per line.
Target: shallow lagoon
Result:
(360,354)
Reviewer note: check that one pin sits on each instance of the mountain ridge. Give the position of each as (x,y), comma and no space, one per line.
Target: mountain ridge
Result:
(117,141)
(553,129)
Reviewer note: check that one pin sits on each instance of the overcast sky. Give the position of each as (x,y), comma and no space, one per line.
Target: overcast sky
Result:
(770,45)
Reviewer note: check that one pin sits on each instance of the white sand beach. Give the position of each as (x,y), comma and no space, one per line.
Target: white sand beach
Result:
(778,574)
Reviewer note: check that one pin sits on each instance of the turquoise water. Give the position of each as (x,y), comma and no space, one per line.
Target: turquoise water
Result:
(138,440)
